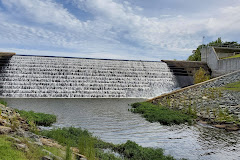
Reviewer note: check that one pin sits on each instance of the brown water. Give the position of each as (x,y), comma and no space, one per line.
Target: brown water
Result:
(110,120)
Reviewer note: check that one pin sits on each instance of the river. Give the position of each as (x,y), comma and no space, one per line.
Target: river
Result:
(110,120)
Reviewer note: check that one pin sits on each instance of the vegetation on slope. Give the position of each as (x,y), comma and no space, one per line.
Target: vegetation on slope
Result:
(92,147)
(200,76)
(161,114)
(133,151)
(236,56)
(7,151)
(232,86)
(40,119)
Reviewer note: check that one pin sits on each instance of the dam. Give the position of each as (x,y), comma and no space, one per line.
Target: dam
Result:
(23,76)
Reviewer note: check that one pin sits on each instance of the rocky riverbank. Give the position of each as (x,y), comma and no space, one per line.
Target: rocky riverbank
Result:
(212,101)
(15,130)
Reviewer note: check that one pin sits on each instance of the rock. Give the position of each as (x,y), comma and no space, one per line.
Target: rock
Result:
(46,158)
(50,143)
(204,97)
(22,147)
(4,122)
(221,126)
(79,156)
(232,128)
(15,139)
(52,155)
(5,130)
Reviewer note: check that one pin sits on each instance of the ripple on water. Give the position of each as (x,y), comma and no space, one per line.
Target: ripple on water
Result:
(110,120)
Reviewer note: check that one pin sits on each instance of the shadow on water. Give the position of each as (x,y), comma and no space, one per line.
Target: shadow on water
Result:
(110,120)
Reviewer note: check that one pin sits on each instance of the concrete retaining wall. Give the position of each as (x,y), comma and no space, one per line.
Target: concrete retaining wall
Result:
(219,67)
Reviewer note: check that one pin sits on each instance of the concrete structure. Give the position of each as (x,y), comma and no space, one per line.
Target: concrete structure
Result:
(185,70)
(7,54)
(213,56)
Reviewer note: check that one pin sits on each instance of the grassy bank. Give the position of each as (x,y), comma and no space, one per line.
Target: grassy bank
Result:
(92,146)
(10,151)
(163,115)
(232,86)
(235,56)
(7,151)
(40,119)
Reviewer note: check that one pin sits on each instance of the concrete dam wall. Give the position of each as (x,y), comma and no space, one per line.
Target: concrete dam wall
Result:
(59,77)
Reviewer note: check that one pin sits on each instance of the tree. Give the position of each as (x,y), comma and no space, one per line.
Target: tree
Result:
(197,55)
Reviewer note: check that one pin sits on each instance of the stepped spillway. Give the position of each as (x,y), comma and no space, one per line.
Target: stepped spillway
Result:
(58,77)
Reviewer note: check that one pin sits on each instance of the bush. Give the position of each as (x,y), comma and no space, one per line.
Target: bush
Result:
(163,115)
(133,151)
(92,147)
(201,76)
(40,119)
(76,137)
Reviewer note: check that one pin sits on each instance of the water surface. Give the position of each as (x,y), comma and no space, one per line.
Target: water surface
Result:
(110,120)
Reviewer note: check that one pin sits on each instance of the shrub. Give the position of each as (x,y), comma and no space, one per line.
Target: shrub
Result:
(133,151)
(40,119)
(200,76)
(92,147)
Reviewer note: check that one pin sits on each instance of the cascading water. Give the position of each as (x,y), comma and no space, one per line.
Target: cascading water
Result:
(57,77)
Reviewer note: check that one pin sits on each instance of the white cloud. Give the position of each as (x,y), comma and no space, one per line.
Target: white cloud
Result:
(117,29)
(44,12)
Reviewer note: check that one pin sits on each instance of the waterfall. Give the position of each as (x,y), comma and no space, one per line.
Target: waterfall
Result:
(58,77)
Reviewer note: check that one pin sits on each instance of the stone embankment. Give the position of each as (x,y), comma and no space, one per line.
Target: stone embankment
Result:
(208,101)
(18,130)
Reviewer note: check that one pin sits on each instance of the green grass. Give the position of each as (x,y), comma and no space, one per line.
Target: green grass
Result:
(236,56)
(8,151)
(232,86)
(76,137)
(163,115)
(133,151)
(3,102)
(91,146)
(40,119)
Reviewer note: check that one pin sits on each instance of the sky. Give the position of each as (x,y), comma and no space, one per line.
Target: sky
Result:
(116,29)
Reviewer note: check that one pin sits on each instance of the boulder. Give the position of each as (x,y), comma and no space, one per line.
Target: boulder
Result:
(22,146)
(5,130)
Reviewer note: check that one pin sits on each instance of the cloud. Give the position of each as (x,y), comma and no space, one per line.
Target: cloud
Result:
(43,12)
(118,28)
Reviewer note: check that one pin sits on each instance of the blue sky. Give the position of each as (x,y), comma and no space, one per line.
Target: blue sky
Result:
(116,29)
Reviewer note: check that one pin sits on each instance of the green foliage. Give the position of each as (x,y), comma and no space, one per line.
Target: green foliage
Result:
(40,119)
(232,86)
(92,147)
(163,115)
(200,76)
(217,42)
(133,151)
(68,153)
(86,146)
(106,156)
(72,136)
(3,102)
(76,137)
(7,151)
(195,56)
(235,56)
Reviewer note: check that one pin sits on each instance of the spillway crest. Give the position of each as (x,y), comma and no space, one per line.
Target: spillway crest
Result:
(57,77)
